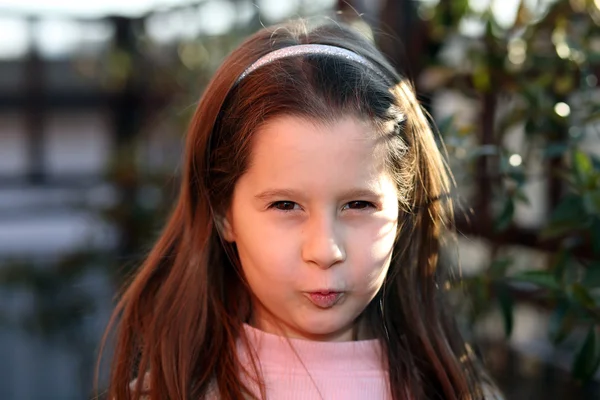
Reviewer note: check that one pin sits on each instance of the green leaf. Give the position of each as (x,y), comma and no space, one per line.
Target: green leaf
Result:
(560,265)
(481,79)
(587,359)
(595,235)
(591,279)
(518,175)
(506,303)
(481,288)
(570,208)
(563,84)
(522,197)
(543,279)
(569,215)
(506,215)
(459,8)
(581,296)
(479,292)
(561,322)
(582,166)
(559,229)
(499,266)
(591,202)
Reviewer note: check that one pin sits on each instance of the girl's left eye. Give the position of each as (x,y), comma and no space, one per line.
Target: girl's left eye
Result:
(359,205)
(284,205)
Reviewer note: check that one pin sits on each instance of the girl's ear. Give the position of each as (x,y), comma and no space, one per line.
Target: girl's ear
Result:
(226,229)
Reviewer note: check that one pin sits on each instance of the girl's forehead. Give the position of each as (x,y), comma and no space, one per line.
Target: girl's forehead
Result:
(292,146)
(298,133)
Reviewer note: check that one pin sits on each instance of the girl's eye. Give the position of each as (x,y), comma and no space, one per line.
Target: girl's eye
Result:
(283,205)
(358,205)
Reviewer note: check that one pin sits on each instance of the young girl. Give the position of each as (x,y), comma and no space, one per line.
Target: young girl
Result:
(300,259)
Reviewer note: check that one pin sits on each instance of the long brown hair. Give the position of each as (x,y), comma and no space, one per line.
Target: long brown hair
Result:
(179,320)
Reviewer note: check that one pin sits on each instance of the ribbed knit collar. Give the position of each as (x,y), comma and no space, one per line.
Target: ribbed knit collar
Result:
(275,351)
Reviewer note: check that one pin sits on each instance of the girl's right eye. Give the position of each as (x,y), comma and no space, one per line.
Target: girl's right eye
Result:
(284,205)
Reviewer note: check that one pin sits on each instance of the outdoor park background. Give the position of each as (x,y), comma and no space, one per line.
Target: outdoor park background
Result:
(94,101)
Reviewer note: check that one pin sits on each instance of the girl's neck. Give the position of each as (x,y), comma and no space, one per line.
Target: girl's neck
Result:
(359,331)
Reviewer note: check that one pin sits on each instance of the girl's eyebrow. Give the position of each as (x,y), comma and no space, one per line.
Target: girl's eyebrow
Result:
(278,193)
(294,194)
(362,193)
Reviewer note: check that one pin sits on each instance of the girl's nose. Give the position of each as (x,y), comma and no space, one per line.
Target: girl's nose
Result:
(323,244)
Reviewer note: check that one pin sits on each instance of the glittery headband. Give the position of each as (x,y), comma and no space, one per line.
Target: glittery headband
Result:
(303,49)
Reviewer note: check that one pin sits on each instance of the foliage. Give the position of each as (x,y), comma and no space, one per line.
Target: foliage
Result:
(533,84)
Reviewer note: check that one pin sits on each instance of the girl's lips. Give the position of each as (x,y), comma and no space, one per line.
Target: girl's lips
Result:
(324,299)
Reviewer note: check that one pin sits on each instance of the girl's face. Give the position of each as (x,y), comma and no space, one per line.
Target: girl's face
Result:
(314,220)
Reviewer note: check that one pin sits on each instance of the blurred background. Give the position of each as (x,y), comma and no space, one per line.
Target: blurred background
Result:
(95,98)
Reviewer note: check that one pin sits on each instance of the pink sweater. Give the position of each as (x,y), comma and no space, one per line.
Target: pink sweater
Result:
(339,370)
(328,370)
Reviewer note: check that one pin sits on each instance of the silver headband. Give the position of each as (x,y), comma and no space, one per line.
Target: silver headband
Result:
(303,49)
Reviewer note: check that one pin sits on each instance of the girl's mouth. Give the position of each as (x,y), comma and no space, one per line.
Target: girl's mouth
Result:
(324,299)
